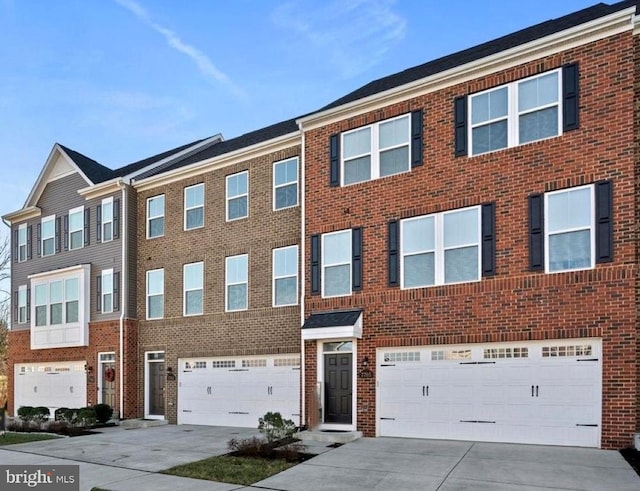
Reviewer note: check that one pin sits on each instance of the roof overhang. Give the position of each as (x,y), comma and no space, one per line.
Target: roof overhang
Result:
(609,25)
(102,189)
(22,215)
(330,325)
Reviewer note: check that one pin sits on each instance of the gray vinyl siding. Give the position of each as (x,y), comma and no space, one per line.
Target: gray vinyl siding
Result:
(57,199)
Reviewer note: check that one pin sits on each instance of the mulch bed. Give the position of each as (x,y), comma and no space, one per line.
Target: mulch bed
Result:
(632,456)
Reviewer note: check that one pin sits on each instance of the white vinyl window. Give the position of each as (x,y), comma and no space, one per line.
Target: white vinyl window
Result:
(517,113)
(155,216)
(107,219)
(155,294)
(285,183)
(57,302)
(441,248)
(570,229)
(285,276)
(22,242)
(72,299)
(237,282)
(379,150)
(40,302)
(76,228)
(48,226)
(336,264)
(193,282)
(194,207)
(106,294)
(22,304)
(238,196)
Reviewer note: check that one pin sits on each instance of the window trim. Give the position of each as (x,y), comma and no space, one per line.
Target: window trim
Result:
(149,295)
(52,219)
(22,229)
(513,113)
(591,228)
(185,290)
(103,292)
(375,150)
(227,198)
(74,211)
(22,294)
(149,217)
(107,202)
(323,265)
(186,209)
(277,186)
(440,249)
(227,284)
(274,277)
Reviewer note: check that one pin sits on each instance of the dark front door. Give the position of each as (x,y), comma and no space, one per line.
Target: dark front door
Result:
(156,388)
(338,378)
(108,388)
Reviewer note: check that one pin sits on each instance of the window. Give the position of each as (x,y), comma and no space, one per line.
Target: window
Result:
(285,276)
(72,299)
(516,113)
(106,291)
(57,302)
(194,207)
(236,281)
(22,304)
(569,229)
(107,219)
(285,184)
(378,150)
(76,228)
(22,242)
(238,196)
(155,216)
(48,236)
(193,284)
(336,264)
(155,294)
(41,304)
(441,248)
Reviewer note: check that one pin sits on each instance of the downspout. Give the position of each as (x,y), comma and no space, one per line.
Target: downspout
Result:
(302,278)
(123,288)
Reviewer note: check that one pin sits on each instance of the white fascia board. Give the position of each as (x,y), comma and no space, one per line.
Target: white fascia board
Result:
(59,272)
(21,215)
(354,331)
(107,187)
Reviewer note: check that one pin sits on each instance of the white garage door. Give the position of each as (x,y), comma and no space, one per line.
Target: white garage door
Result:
(544,392)
(237,391)
(52,385)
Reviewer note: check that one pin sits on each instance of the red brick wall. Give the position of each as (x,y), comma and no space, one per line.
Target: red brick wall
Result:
(516,304)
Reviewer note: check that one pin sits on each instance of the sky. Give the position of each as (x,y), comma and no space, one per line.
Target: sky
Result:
(122,80)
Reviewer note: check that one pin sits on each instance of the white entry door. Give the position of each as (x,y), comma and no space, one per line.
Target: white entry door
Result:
(537,392)
(52,385)
(238,391)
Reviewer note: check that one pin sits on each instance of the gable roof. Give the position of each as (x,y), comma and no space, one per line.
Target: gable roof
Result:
(482,50)
(94,171)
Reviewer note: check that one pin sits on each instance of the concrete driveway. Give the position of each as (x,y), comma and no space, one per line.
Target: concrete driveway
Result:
(127,460)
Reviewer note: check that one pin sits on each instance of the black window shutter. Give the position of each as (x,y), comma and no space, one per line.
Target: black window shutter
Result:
(66,232)
(604,222)
(536,232)
(39,239)
(28,304)
(99,223)
(29,232)
(16,248)
(356,258)
(116,218)
(489,239)
(87,229)
(99,293)
(334,153)
(570,97)
(416,138)
(57,237)
(460,125)
(116,291)
(315,264)
(393,245)
(15,306)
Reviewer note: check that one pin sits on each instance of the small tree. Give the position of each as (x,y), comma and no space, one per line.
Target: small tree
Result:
(274,427)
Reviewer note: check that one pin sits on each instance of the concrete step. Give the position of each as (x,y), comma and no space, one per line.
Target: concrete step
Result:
(329,436)
(130,424)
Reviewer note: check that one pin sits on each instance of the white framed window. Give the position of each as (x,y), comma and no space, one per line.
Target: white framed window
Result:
(193,284)
(155,216)
(336,263)
(513,114)
(378,150)
(237,196)
(55,302)
(570,229)
(40,302)
(155,294)
(48,226)
(22,304)
(441,248)
(194,207)
(76,228)
(236,282)
(285,183)
(107,219)
(285,276)
(22,242)
(106,292)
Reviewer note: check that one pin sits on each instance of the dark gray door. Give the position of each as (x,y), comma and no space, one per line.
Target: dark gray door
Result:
(338,377)
(156,388)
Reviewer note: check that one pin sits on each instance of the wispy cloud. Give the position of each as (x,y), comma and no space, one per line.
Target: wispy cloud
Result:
(202,61)
(354,34)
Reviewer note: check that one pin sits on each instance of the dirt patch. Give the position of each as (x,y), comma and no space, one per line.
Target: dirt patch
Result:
(632,456)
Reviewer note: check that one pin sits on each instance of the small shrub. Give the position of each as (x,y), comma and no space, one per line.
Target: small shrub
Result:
(60,414)
(274,427)
(21,426)
(86,416)
(250,447)
(26,413)
(103,412)
(56,427)
(40,415)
